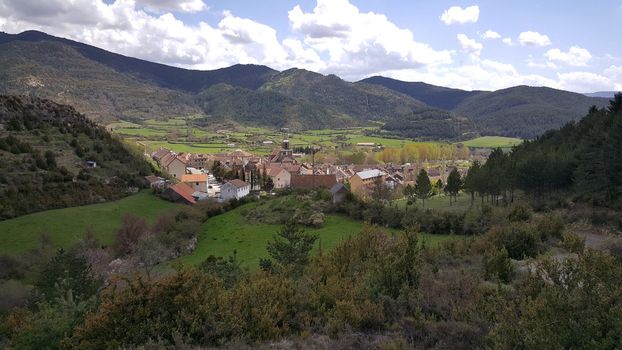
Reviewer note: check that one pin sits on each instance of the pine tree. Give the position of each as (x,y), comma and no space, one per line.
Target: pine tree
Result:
(454,184)
(423,186)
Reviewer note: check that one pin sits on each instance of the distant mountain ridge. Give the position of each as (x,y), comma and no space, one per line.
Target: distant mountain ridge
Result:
(107,86)
(248,76)
(603,94)
(434,96)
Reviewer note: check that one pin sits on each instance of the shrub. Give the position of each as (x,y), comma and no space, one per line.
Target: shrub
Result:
(518,239)
(520,212)
(550,225)
(497,265)
(573,243)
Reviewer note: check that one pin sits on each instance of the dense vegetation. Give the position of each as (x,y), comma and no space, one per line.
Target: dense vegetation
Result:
(435,96)
(582,159)
(44,149)
(523,111)
(374,290)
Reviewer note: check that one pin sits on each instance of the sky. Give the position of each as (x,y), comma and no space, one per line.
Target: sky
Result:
(475,45)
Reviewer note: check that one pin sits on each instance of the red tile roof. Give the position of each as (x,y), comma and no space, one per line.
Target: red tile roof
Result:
(184,191)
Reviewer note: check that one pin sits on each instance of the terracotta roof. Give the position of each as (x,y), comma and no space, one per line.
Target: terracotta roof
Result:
(194,178)
(313,181)
(184,191)
(238,183)
(157,155)
(273,170)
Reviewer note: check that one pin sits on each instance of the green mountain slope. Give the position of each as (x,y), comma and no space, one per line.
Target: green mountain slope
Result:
(361,101)
(524,111)
(434,96)
(58,72)
(248,76)
(268,108)
(44,148)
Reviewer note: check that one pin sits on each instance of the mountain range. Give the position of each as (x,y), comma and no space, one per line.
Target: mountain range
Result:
(107,86)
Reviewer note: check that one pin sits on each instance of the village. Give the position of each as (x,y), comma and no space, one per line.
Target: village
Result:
(192,177)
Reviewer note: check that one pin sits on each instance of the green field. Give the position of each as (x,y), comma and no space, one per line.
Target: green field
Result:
(66,226)
(492,142)
(463,203)
(223,234)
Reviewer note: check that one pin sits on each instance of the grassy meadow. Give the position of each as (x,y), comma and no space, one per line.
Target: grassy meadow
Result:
(229,232)
(66,226)
(492,142)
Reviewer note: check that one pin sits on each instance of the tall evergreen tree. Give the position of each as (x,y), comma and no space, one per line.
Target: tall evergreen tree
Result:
(454,184)
(423,186)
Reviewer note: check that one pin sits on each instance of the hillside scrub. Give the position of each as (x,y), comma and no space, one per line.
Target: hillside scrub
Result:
(43,155)
(380,288)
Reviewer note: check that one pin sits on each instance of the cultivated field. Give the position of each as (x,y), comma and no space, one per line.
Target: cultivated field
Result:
(492,142)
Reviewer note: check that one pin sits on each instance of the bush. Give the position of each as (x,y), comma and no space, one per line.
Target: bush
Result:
(550,225)
(520,213)
(573,243)
(497,265)
(518,239)
(478,220)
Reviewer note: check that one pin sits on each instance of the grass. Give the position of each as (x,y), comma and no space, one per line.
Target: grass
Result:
(462,203)
(229,232)
(66,226)
(492,142)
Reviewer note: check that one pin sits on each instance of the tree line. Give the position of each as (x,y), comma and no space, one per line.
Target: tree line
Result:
(581,159)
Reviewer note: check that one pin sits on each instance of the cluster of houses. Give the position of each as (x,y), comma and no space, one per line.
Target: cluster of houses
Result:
(191,181)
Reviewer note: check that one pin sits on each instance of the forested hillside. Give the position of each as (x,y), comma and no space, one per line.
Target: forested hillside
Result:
(435,96)
(525,111)
(581,159)
(44,149)
(268,108)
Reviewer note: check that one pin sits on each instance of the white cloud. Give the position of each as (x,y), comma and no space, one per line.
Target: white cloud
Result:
(173,5)
(614,73)
(508,41)
(459,15)
(469,45)
(587,82)
(575,56)
(357,43)
(530,38)
(491,34)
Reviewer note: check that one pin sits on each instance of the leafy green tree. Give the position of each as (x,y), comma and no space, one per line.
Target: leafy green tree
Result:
(454,184)
(291,246)
(423,186)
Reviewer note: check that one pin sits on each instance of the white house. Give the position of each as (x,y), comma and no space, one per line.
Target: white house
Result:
(198,182)
(234,189)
